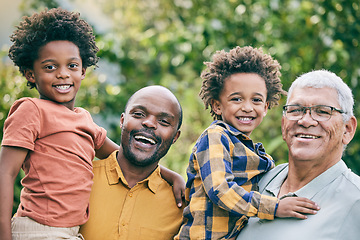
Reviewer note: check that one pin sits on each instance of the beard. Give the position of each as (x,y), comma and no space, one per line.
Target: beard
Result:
(160,151)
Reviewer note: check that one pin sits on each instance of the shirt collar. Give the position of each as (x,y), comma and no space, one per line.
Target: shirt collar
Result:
(231,129)
(313,187)
(115,175)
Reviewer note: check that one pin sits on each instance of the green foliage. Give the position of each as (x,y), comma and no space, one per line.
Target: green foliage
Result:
(166,42)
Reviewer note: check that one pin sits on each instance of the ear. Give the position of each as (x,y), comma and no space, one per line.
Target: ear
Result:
(177,135)
(216,106)
(266,108)
(283,127)
(350,128)
(122,120)
(29,75)
(83,73)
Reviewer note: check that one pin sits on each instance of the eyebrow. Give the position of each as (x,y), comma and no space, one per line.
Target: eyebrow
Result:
(52,60)
(161,114)
(239,93)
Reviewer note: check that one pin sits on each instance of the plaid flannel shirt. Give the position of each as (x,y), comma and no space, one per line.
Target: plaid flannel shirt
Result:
(224,169)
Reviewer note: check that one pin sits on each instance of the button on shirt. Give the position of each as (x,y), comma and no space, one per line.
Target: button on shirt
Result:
(336,191)
(146,211)
(224,168)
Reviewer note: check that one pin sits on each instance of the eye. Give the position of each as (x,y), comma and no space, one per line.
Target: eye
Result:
(50,67)
(293,109)
(322,110)
(73,65)
(164,122)
(138,114)
(235,99)
(258,100)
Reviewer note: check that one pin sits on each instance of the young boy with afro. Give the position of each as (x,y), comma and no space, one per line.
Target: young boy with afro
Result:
(225,165)
(53,141)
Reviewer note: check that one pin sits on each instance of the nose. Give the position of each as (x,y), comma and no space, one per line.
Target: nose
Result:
(150,122)
(246,106)
(307,119)
(63,72)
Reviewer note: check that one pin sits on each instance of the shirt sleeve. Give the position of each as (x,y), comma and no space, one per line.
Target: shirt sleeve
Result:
(99,132)
(21,128)
(214,159)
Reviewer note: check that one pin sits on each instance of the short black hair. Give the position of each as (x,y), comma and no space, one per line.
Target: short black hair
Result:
(51,25)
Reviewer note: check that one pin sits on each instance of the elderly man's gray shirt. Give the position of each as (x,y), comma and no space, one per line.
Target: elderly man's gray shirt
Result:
(336,191)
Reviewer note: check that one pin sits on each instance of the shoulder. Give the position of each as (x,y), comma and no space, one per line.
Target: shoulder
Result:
(213,135)
(270,175)
(214,127)
(31,104)
(24,101)
(24,107)
(353,181)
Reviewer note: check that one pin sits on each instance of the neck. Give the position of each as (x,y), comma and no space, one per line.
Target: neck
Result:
(134,173)
(70,105)
(301,173)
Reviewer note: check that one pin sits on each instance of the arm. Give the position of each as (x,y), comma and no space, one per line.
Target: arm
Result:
(106,149)
(11,159)
(214,158)
(177,181)
(234,198)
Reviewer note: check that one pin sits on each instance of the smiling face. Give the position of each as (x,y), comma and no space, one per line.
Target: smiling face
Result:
(149,126)
(242,102)
(309,140)
(57,72)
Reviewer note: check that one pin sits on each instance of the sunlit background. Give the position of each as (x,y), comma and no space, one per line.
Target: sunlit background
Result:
(146,42)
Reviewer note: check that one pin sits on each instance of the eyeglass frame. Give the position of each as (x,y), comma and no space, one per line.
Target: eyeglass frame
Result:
(310,108)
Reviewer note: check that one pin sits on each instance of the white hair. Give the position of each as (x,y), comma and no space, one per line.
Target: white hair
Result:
(325,78)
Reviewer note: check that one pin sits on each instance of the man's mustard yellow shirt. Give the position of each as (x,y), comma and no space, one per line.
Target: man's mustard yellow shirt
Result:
(146,211)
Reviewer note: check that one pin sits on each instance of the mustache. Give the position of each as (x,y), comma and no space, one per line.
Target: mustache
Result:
(147,132)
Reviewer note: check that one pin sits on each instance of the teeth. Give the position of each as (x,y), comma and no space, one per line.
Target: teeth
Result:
(245,118)
(307,136)
(145,138)
(63,87)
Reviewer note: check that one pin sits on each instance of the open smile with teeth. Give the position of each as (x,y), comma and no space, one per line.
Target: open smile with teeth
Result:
(63,87)
(145,139)
(245,118)
(307,136)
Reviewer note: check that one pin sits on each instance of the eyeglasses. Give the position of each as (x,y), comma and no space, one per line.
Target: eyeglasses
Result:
(317,112)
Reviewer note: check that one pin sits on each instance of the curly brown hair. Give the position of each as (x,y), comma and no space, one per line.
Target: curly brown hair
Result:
(240,60)
(51,25)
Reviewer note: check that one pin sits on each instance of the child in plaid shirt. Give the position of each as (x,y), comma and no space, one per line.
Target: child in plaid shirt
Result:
(225,165)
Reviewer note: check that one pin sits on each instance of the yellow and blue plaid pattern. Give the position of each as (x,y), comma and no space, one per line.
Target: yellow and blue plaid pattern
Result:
(224,169)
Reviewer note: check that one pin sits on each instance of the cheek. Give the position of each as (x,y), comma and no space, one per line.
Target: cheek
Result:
(336,132)
(285,129)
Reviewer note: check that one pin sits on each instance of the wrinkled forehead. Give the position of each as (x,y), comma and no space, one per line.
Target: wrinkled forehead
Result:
(310,96)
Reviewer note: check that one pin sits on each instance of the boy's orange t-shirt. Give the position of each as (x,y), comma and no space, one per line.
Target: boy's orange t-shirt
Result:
(58,167)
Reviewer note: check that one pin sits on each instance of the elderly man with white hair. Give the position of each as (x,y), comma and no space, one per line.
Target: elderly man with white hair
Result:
(317,124)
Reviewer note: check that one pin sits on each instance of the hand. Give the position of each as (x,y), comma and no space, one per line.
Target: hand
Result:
(178,183)
(296,207)
(179,190)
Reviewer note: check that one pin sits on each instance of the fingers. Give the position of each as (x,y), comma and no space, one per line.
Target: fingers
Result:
(306,205)
(179,194)
(296,207)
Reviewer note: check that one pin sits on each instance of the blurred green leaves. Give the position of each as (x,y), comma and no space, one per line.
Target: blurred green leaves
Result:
(166,42)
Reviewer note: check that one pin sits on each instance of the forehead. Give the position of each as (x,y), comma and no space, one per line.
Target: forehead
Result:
(156,102)
(59,47)
(309,96)
(244,83)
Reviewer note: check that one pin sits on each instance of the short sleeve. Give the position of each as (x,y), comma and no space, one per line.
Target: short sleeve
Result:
(21,128)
